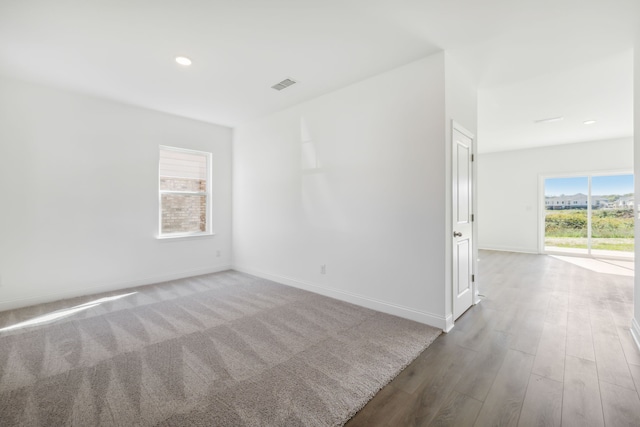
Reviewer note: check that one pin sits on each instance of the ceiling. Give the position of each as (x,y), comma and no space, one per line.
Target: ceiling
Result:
(531,59)
(601,90)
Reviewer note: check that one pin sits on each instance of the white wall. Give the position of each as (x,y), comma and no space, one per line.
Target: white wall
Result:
(373,211)
(635,327)
(78,194)
(508,181)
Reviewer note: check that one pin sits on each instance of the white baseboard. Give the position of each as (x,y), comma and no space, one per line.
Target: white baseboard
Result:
(507,249)
(382,306)
(635,332)
(449,323)
(88,290)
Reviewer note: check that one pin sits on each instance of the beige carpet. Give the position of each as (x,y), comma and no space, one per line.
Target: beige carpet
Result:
(225,349)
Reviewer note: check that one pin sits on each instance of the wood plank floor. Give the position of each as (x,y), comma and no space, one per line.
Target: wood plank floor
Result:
(549,345)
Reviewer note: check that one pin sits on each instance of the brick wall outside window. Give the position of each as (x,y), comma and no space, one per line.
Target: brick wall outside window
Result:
(183,213)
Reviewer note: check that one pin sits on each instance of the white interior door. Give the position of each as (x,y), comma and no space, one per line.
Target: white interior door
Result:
(462,180)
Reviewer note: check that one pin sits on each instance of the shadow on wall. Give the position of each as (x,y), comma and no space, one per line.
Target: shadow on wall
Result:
(318,202)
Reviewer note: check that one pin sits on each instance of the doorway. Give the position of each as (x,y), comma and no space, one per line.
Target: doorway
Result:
(588,215)
(463,276)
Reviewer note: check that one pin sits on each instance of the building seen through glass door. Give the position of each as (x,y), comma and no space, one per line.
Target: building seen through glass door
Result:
(589,215)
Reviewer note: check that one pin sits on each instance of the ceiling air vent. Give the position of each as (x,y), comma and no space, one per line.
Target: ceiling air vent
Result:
(283,84)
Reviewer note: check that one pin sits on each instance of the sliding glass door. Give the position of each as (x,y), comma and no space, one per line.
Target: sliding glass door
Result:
(612,222)
(566,203)
(589,215)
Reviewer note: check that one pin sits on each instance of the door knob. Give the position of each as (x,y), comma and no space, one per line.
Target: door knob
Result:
(457,234)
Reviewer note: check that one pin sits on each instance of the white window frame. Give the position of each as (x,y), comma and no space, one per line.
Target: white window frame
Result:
(208,193)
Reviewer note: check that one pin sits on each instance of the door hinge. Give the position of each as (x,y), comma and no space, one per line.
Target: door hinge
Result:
(472,217)
(473,277)
(472,157)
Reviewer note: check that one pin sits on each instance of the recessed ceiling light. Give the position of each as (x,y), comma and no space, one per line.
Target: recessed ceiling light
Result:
(183,60)
(550,120)
(589,122)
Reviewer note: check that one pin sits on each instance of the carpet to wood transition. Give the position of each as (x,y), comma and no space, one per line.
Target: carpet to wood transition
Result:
(224,349)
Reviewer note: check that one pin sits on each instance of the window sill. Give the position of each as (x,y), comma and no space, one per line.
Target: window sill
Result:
(182,237)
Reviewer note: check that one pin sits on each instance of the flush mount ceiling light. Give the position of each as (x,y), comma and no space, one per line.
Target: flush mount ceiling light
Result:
(589,122)
(183,60)
(549,120)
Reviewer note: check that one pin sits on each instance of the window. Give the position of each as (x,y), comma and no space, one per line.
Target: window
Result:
(185,192)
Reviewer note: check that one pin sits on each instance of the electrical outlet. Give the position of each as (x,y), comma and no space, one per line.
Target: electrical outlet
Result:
(323,269)
(218,254)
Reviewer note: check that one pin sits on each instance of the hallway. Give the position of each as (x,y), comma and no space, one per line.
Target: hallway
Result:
(548,345)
